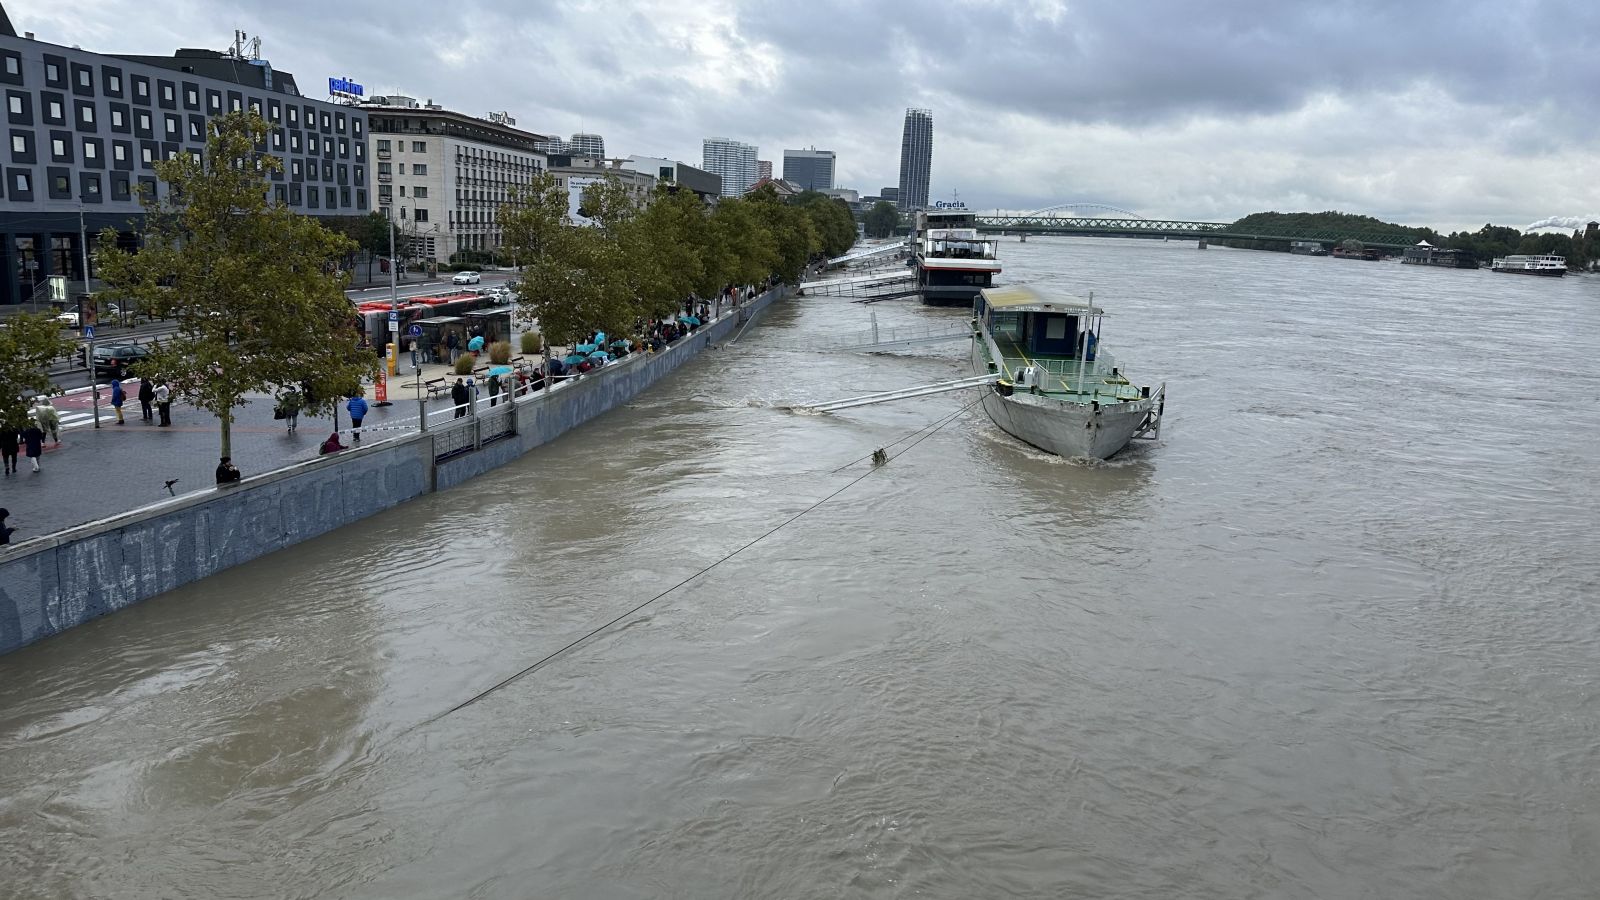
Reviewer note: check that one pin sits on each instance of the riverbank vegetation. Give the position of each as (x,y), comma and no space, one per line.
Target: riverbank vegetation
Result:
(1336,228)
(641,261)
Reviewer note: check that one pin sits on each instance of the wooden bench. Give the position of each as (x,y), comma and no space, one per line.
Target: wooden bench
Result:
(436,387)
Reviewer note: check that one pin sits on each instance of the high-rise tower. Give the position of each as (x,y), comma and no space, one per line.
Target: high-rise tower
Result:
(734,161)
(811,170)
(916,159)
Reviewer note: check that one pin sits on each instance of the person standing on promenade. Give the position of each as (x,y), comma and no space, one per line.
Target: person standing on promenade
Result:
(9,441)
(458,396)
(33,443)
(164,404)
(49,420)
(290,402)
(453,345)
(118,397)
(357,407)
(5,530)
(147,395)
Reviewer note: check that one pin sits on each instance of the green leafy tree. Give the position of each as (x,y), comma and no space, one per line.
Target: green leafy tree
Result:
(28,343)
(254,287)
(794,234)
(745,248)
(831,218)
(532,224)
(882,219)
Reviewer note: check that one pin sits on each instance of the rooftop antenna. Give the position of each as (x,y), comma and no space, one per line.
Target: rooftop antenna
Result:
(242,40)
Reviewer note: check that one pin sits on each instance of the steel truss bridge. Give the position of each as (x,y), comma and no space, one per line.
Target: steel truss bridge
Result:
(1067,218)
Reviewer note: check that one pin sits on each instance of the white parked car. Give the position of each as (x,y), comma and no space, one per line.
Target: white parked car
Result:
(466,278)
(68,319)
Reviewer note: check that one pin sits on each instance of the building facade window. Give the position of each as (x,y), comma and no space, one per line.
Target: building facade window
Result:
(419,146)
(419,169)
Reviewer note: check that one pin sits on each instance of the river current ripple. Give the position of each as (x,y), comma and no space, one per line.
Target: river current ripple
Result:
(1334,636)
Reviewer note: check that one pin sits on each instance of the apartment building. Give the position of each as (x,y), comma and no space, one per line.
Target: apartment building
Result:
(444,175)
(86,129)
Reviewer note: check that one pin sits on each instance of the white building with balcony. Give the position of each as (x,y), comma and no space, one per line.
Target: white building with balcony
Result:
(444,175)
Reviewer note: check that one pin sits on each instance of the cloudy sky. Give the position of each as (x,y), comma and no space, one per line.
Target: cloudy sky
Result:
(1426,113)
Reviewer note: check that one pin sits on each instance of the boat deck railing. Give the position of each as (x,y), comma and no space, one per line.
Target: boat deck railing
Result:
(1097,379)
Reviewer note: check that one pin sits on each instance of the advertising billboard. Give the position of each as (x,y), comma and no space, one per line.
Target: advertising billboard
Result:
(575,186)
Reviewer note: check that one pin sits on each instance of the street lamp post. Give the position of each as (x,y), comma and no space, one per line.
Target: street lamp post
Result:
(83,247)
(393,352)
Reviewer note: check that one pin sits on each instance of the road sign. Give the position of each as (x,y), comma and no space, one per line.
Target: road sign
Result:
(394,315)
(394,326)
(415,331)
(88,331)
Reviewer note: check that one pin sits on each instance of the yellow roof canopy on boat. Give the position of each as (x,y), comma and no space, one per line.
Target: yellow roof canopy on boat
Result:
(1027,298)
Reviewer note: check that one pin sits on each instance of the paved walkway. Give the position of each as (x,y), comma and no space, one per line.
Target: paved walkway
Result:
(96,473)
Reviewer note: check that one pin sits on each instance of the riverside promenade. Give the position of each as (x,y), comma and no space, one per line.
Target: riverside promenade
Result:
(97,473)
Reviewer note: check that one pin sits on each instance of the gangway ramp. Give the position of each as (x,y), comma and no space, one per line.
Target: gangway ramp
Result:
(896,338)
(877,286)
(924,390)
(884,252)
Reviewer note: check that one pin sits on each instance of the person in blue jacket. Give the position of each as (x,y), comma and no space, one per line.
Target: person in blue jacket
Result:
(118,397)
(358,411)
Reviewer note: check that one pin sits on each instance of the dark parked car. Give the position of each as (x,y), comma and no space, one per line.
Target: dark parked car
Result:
(118,360)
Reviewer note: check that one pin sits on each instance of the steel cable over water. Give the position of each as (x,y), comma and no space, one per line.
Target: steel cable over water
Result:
(925,431)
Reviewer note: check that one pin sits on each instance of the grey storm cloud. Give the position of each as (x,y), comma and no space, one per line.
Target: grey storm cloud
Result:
(1430,113)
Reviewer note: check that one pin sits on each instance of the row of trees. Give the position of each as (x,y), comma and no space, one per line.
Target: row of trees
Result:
(641,260)
(1486,243)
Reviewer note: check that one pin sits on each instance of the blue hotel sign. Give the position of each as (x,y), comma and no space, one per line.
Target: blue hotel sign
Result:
(345,86)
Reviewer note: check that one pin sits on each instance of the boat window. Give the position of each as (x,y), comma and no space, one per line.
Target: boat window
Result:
(1055,328)
(1006,325)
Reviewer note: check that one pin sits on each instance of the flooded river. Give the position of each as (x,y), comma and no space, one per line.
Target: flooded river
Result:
(1334,636)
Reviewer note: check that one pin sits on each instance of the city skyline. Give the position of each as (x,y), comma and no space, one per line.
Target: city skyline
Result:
(1482,116)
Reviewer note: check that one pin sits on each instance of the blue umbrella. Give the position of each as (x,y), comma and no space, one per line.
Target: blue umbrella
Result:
(689,320)
(586,348)
(599,338)
(600,354)
(573,359)
(497,371)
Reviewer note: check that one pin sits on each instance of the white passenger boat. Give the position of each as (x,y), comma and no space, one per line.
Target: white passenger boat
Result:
(953,261)
(1058,389)
(1528,264)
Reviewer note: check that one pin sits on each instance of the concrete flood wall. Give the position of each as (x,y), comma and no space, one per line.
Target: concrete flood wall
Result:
(62,580)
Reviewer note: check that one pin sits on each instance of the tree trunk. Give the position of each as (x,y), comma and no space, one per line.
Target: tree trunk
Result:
(226,421)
